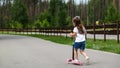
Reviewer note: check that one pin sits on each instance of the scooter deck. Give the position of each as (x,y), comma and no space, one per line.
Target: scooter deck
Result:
(70,61)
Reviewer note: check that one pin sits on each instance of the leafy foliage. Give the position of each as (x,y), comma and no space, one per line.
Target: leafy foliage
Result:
(45,24)
(112,14)
(19,12)
(15,24)
(57,13)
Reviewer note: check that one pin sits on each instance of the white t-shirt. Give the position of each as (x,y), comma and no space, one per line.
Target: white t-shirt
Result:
(79,37)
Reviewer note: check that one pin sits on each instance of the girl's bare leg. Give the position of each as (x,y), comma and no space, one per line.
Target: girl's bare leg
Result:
(75,54)
(84,54)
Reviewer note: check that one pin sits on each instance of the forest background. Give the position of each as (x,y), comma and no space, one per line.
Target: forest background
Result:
(56,13)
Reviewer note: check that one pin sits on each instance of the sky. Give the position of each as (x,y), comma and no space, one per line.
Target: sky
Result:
(76,1)
(1,1)
(79,1)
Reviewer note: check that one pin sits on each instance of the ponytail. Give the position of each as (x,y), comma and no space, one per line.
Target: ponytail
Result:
(80,29)
(78,24)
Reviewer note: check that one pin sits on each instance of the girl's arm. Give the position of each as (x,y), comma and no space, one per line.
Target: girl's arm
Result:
(73,34)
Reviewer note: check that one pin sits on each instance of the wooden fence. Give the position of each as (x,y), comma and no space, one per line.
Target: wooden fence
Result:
(105,29)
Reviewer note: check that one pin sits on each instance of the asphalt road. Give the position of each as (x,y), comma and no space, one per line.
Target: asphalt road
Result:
(28,52)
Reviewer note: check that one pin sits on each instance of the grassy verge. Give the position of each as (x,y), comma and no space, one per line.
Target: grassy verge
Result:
(109,45)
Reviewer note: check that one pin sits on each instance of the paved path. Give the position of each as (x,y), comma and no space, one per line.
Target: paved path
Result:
(101,36)
(98,36)
(28,52)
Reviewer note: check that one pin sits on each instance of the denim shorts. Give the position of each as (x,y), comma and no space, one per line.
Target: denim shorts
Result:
(79,45)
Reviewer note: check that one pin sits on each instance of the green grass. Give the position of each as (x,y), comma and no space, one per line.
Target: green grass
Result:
(109,45)
(56,39)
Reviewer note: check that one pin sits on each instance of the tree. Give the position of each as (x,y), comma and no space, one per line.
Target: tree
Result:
(6,16)
(45,24)
(19,12)
(42,19)
(52,12)
(0,16)
(62,14)
(112,14)
(96,10)
(31,8)
(58,13)
(102,10)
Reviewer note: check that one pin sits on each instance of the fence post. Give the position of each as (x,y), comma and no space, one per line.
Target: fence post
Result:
(104,31)
(57,31)
(40,31)
(94,31)
(117,31)
(54,31)
(94,24)
(66,31)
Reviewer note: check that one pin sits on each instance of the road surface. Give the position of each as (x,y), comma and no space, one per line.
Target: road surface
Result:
(29,52)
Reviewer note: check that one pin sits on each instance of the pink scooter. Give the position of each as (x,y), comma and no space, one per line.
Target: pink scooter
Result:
(70,60)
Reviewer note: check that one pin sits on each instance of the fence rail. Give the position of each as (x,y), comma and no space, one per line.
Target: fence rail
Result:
(111,29)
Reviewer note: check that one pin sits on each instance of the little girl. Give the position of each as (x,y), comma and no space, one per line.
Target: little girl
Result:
(79,32)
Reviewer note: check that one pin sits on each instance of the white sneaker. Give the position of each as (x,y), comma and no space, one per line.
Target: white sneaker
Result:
(87,60)
(75,61)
